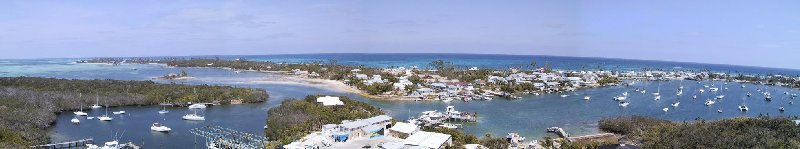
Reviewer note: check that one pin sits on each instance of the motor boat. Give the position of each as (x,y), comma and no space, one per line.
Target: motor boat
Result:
(665,109)
(781,109)
(720,96)
(658,97)
(624,104)
(586,98)
(159,128)
(710,102)
(676,104)
(119,112)
(194,117)
(75,120)
(743,108)
(620,98)
(564,96)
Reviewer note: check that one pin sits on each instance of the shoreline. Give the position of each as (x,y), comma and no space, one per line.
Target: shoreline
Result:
(328,84)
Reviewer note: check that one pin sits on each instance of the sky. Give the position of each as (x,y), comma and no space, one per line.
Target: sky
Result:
(736,32)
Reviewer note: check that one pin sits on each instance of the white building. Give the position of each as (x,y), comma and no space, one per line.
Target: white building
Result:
(330,101)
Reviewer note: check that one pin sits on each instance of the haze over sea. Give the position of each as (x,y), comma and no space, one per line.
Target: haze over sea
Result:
(528,116)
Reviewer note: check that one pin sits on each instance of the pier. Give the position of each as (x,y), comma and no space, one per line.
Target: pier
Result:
(66,145)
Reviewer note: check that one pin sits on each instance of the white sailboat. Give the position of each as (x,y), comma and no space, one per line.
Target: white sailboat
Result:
(658,97)
(96,103)
(163,110)
(159,128)
(194,117)
(676,104)
(80,112)
(105,116)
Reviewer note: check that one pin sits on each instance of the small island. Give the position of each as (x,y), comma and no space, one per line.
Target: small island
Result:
(176,76)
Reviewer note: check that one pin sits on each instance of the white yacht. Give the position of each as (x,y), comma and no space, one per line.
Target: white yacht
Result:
(624,104)
(586,98)
(658,97)
(194,117)
(75,120)
(743,108)
(720,96)
(694,97)
(119,112)
(781,109)
(713,89)
(159,128)
(564,96)
(620,98)
(665,109)
(702,91)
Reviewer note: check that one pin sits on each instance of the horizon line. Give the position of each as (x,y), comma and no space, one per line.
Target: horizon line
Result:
(500,54)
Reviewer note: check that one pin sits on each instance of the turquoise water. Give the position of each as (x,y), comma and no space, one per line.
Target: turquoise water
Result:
(528,116)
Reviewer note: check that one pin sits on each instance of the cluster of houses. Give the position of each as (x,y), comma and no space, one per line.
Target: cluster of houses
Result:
(408,135)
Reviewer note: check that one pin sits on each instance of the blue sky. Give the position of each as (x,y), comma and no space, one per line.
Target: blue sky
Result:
(763,33)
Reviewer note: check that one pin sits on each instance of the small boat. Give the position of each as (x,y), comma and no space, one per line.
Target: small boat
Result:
(676,104)
(658,97)
(710,102)
(563,96)
(80,113)
(719,110)
(620,98)
(159,128)
(119,112)
(781,109)
(694,97)
(448,126)
(163,112)
(656,94)
(720,96)
(743,108)
(624,93)
(749,94)
(197,106)
(768,97)
(587,98)
(194,117)
(105,118)
(742,85)
(665,109)
(679,93)
(90,117)
(713,89)
(624,104)
(447,99)
(96,103)
(75,120)
(702,91)
(644,91)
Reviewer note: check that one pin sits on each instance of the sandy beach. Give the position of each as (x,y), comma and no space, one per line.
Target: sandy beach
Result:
(323,83)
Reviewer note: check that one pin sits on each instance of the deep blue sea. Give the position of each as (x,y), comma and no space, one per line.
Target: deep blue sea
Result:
(529,116)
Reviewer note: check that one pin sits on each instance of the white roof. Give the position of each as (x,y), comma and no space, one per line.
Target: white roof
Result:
(365,122)
(379,118)
(427,139)
(392,145)
(404,127)
(330,101)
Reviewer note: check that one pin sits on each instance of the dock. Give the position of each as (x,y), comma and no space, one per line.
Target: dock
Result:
(64,145)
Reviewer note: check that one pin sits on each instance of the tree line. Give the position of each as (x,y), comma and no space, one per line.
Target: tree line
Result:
(28,105)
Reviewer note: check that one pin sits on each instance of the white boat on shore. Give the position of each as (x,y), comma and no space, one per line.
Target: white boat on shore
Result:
(159,128)
(197,106)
